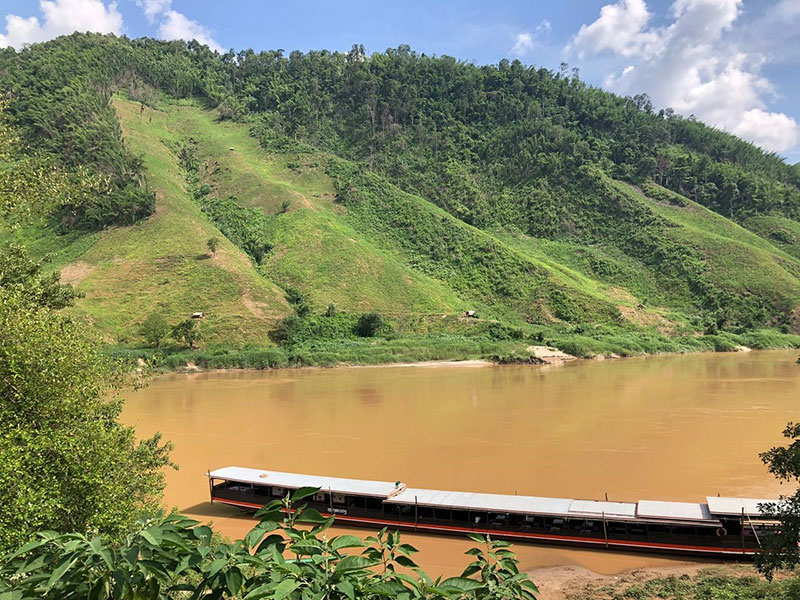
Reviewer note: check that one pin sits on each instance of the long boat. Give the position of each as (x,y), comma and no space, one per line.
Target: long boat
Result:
(720,527)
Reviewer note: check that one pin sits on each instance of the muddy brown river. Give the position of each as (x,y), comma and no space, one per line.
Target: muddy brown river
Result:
(662,428)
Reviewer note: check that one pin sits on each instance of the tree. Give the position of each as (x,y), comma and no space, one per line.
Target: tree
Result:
(299,301)
(780,550)
(154,329)
(22,274)
(66,463)
(369,324)
(186,332)
(212,244)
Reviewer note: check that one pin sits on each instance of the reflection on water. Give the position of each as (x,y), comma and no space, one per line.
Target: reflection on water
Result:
(668,428)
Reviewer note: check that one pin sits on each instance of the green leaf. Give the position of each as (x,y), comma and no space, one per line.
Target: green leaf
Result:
(32,545)
(407,549)
(353,563)
(233,581)
(262,591)
(304,492)
(530,585)
(100,590)
(60,571)
(271,541)
(470,570)
(404,561)
(131,554)
(461,584)
(215,567)
(270,512)
(203,533)
(322,526)
(286,587)
(476,538)
(154,535)
(254,536)
(311,515)
(347,589)
(387,588)
(347,541)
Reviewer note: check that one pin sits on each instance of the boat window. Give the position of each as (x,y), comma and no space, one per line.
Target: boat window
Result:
(374,504)
(338,499)
(425,512)
(460,516)
(498,518)
(477,517)
(279,492)
(319,497)
(356,501)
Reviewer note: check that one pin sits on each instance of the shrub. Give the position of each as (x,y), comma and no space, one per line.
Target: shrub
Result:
(369,324)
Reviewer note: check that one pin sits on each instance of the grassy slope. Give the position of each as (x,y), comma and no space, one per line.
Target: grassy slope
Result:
(739,260)
(315,248)
(332,253)
(162,263)
(782,232)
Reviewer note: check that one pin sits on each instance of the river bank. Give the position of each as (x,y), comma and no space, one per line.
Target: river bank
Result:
(392,350)
(673,582)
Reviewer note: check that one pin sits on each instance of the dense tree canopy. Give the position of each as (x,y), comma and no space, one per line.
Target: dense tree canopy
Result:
(479,140)
(66,463)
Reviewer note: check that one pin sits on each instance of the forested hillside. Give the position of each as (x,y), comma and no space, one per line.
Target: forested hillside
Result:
(329,207)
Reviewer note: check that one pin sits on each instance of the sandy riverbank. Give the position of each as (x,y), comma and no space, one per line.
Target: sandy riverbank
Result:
(574,582)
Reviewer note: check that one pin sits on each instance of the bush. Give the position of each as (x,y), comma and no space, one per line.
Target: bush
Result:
(369,324)
(286,330)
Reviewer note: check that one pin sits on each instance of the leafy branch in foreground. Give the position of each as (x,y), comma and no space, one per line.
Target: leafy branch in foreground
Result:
(286,556)
(781,550)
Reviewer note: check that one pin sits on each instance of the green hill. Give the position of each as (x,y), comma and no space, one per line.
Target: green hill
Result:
(414,187)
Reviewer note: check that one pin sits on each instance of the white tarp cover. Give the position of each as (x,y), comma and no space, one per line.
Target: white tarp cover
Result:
(594,508)
(489,502)
(293,481)
(734,506)
(673,511)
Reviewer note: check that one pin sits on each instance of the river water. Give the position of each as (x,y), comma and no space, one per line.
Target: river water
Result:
(660,428)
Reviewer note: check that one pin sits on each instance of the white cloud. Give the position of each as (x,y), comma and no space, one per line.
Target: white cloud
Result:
(523,45)
(692,65)
(524,42)
(60,17)
(620,29)
(176,26)
(153,8)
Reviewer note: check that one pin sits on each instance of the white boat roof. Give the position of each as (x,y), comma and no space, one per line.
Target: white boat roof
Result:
(598,509)
(397,493)
(734,506)
(293,480)
(488,502)
(675,511)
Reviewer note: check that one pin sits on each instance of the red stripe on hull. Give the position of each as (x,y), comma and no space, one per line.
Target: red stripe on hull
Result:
(523,536)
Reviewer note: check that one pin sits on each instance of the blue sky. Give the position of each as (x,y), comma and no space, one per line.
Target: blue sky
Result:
(733,63)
